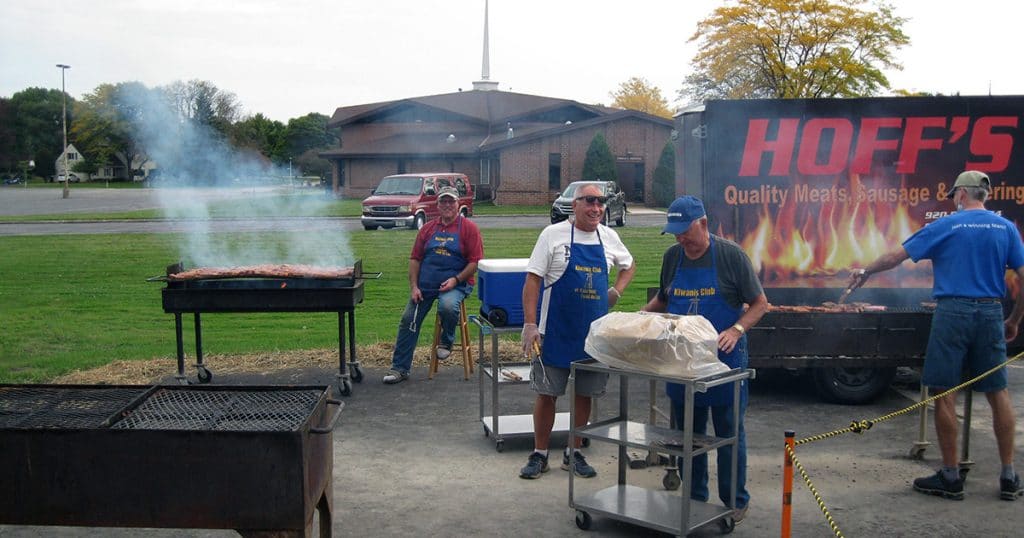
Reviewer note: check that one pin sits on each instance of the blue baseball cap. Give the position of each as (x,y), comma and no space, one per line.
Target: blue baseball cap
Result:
(681,214)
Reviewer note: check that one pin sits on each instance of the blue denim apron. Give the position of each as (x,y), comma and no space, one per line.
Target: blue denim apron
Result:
(442,260)
(577,298)
(695,291)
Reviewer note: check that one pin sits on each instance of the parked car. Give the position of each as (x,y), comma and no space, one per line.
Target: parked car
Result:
(411,199)
(615,209)
(74,178)
(12,180)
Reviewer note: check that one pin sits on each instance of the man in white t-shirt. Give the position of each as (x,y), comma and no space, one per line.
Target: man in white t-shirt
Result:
(570,263)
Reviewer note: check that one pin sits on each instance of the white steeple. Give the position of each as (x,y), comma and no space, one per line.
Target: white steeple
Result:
(485,83)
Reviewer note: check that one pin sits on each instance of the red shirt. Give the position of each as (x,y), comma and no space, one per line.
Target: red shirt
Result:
(470,242)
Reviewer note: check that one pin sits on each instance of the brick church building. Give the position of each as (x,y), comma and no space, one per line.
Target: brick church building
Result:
(515,148)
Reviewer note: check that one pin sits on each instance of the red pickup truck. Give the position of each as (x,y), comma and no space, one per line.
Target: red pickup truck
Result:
(411,199)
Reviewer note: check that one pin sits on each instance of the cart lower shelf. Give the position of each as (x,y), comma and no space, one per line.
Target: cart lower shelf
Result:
(518,426)
(650,508)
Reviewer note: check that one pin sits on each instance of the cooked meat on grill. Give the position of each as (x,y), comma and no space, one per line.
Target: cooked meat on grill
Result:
(265,271)
(828,307)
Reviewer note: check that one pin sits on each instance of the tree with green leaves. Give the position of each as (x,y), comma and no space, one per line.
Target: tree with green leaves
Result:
(262,134)
(34,128)
(794,49)
(663,187)
(8,155)
(599,162)
(307,136)
(638,94)
(309,132)
(112,122)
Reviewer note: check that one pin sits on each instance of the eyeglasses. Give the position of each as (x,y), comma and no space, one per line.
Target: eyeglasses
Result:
(446,200)
(593,199)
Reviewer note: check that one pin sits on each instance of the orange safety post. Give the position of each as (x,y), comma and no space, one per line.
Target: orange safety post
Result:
(787,486)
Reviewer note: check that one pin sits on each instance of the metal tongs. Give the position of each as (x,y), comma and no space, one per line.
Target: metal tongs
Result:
(861,277)
(543,371)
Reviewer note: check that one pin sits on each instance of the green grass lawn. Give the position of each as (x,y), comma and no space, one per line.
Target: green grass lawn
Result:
(71,302)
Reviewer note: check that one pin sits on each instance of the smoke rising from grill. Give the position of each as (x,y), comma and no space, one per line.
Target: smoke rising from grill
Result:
(200,176)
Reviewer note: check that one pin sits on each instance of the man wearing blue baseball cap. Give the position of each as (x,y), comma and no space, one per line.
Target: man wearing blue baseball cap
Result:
(707,275)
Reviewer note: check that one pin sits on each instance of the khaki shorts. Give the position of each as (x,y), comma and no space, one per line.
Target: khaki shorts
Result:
(588,383)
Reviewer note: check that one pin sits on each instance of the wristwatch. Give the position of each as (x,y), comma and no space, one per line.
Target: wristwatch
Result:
(739,328)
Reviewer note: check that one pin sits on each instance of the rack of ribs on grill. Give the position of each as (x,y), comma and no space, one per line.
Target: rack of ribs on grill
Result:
(264,271)
(828,307)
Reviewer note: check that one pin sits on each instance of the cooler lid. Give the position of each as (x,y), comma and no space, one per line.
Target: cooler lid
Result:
(503,265)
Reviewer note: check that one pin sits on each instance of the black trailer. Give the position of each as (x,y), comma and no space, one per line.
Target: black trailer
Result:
(812,188)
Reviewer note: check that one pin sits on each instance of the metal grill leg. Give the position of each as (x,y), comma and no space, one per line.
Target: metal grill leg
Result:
(181,349)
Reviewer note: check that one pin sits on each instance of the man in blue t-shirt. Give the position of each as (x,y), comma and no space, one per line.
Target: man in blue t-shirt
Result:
(970,252)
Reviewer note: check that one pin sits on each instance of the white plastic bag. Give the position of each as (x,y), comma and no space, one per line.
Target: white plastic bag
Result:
(663,344)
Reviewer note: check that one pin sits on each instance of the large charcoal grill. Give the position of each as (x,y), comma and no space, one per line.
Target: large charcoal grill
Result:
(254,459)
(889,338)
(248,295)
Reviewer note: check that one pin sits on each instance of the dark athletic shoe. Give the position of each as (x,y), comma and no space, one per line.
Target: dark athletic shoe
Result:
(579,465)
(1009,490)
(394,376)
(537,464)
(937,485)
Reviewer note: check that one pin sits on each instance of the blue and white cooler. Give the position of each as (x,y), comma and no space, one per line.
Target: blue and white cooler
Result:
(500,288)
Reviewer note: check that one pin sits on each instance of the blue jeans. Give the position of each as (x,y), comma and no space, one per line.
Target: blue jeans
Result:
(722,418)
(448,304)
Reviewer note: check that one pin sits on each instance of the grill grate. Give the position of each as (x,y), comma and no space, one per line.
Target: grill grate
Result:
(62,407)
(222,410)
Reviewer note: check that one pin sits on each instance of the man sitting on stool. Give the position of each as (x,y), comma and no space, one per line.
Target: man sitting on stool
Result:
(441,267)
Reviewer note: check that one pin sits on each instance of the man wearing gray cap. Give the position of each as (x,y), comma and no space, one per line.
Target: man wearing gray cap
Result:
(441,267)
(707,275)
(970,252)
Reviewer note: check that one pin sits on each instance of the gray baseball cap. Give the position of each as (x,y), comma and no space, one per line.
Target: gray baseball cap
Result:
(973,178)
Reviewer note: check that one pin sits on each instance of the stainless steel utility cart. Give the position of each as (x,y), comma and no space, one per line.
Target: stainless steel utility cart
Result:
(655,509)
(492,375)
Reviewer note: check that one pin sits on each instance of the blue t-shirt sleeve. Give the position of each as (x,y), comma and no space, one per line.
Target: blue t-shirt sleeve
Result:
(919,245)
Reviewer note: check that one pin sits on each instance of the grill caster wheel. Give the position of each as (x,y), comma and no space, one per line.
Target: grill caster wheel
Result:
(727,525)
(671,480)
(917,453)
(345,387)
(583,520)
(357,374)
(499,446)
(585,442)
(204,375)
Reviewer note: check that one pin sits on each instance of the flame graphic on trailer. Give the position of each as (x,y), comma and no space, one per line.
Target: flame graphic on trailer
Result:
(812,188)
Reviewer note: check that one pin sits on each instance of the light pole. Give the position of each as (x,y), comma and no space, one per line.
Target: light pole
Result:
(64,124)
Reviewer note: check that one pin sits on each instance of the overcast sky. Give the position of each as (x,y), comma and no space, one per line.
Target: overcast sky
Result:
(286,58)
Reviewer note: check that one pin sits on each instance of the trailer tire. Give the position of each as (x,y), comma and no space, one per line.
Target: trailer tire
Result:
(852,385)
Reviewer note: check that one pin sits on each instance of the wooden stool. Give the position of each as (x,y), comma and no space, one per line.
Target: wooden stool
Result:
(463,343)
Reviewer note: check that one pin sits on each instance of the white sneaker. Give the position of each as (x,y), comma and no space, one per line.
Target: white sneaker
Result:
(443,353)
